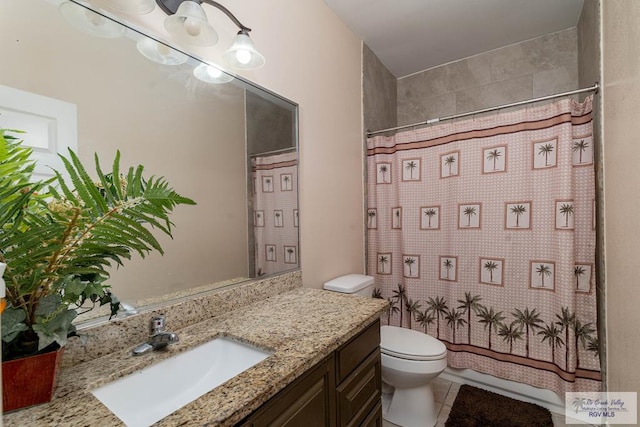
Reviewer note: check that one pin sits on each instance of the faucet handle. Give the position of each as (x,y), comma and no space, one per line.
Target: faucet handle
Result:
(156,325)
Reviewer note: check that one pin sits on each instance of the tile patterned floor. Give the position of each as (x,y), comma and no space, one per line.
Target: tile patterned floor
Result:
(445,393)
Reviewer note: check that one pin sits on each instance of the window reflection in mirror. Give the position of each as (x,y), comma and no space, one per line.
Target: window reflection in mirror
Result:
(213,143)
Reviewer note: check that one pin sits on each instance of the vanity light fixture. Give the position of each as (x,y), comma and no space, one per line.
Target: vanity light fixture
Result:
(89,21)
(187,22)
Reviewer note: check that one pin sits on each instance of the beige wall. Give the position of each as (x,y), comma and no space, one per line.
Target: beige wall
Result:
(621,127)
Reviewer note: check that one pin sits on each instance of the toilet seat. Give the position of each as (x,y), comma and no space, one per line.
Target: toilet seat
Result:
(409,344)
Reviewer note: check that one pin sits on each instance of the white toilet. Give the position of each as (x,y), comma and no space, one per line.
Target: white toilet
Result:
(410,360)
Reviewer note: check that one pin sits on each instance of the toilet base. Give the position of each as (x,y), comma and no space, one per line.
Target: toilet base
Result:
(412,407)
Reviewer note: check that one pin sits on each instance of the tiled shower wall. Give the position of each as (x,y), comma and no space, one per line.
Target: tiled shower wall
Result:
(588,32)
(379,87)
(538,67)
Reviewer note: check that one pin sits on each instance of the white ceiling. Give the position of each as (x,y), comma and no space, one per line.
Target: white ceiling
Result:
(413,35)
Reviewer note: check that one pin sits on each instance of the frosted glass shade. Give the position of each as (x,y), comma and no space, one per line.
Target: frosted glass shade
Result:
(90,22)
(243,54)
(189,25)
(160,53)
(133,7)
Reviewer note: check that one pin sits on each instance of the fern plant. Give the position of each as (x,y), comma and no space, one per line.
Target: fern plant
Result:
(59,238)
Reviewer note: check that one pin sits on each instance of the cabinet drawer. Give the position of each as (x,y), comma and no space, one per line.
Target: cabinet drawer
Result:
(349,356)
(375,417)
(359,394)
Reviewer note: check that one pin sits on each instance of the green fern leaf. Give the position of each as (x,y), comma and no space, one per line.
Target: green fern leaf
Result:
(94,193)
(84,194)
(115,175)
(106,185)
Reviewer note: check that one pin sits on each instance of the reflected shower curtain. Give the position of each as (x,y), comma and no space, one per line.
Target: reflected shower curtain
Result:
(275,212)
(482,234)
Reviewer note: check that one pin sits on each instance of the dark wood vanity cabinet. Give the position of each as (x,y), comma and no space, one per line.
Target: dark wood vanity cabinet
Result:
(359,379)
(308,401)
(343,390)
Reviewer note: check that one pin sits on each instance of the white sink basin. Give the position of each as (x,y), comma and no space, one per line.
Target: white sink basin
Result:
(146,396)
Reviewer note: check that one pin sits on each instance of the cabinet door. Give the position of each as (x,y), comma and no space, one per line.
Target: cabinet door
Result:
(307,402)
(360,393)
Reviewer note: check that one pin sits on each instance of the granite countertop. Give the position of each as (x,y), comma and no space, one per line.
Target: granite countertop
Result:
(301,327)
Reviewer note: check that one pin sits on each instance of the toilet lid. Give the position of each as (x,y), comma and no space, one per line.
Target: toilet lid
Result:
(410,344)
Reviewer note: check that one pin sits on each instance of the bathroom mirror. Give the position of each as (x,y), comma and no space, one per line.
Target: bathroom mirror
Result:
(229,146)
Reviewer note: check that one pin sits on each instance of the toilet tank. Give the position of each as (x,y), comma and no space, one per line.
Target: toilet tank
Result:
(358,284)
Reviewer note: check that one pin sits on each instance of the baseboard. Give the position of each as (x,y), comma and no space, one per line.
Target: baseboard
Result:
(542,397)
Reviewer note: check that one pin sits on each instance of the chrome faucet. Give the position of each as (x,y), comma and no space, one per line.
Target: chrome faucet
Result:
(158,338)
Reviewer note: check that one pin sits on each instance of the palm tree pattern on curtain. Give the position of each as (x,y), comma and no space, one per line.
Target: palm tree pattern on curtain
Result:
(495,251)
(275,207)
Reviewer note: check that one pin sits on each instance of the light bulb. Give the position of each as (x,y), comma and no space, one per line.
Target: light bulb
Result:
(214,72)
(243,56)
(192,27)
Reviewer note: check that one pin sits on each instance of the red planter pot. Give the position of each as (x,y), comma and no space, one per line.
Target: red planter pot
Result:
(30,380)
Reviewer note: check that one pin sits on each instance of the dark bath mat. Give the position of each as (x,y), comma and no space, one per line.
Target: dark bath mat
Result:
(474,407)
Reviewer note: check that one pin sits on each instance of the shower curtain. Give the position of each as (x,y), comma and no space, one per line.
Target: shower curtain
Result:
(482,234)
(275,212)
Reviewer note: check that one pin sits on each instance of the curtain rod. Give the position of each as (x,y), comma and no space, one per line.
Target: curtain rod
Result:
(593,89)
